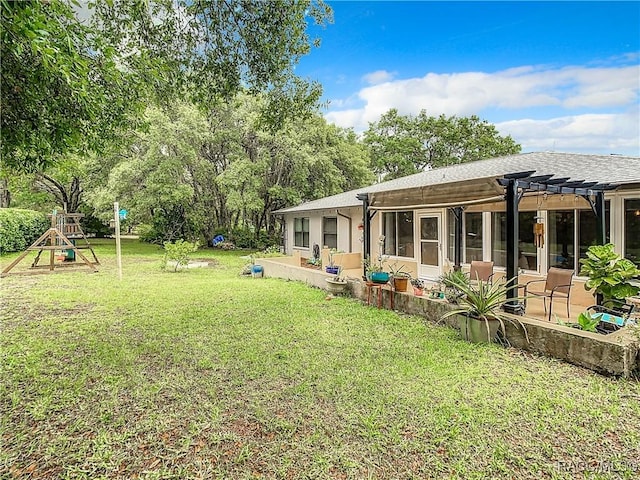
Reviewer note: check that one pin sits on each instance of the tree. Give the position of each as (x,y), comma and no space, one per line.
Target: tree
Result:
(403,144)
(61,90)
(189,175)
(67,84)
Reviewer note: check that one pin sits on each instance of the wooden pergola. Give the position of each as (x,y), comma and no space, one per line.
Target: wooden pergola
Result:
(517,185)
(509,188)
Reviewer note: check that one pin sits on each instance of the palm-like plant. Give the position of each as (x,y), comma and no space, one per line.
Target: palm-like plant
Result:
(483,301)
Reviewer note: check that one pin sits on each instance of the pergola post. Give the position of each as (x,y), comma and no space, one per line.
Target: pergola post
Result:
(601,218)
(457,242)
(512,305)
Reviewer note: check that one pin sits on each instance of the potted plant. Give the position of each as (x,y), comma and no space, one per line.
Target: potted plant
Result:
(479,311)
(400,277)
(331,268)
(451,280)
(418,287)
(587,321)
(257,271)
(375,271)
(336,284)
(609,275)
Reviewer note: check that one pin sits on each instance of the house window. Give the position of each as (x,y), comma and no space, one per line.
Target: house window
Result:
(301,231)
(330,232)
(397,228)
(527,250)
(563,243)
(632,230)
(451,233)
(561,228)
(588,230)
(472,236)
(499,239)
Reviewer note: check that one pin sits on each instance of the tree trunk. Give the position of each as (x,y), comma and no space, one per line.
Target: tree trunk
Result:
(5,195)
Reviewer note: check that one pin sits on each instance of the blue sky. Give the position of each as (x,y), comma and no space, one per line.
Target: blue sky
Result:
(561,76)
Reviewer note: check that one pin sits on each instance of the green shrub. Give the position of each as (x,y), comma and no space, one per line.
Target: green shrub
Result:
(20,228)
(180,252)
(94,226)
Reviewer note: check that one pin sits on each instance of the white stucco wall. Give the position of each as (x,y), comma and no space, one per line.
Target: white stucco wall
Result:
(348,234)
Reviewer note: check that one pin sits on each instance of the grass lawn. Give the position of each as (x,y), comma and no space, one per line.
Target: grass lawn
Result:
(206,374)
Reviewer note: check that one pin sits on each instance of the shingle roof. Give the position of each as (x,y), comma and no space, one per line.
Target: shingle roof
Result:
(601,168)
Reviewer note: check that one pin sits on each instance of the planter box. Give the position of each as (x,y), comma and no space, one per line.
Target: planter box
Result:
(476,330)
(332,270)
(400,284)
(336,286)
(379,277)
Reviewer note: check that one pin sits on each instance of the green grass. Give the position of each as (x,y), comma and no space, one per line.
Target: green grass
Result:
(206,374)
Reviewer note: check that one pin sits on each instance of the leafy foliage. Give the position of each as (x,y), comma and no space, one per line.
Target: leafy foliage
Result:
(190,176)
(20,228)
(69,83)
(403,144)
(483,301)
(180,252)
(588,322)
(61,88)
(609,274)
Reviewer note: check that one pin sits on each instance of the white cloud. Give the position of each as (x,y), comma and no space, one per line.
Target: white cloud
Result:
(589,133)
(379,76)
(601,89)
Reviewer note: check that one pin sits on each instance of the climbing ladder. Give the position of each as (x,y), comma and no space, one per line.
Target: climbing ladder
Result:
(65,229)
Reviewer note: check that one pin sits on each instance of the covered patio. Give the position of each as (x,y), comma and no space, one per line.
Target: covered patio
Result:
(509,189)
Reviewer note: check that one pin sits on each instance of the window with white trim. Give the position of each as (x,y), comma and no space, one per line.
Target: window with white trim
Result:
(397,228)
(301,231)
(632,229)
(330,232)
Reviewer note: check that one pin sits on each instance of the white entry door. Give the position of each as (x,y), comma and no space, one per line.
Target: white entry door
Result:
(430,262)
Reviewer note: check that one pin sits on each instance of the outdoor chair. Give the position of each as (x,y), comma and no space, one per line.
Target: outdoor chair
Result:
(481,271)
(557,284)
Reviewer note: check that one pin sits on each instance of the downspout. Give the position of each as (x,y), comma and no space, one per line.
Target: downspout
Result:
(350,232)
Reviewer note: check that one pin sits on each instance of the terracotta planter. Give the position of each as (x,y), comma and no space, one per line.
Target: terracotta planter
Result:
(418,291)
(400,284)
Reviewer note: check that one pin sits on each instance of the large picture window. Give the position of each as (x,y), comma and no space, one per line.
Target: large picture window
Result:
(472,236)
(561,228)
(397,228)
(571,231)
(499,239)
(301,231)
(588,230)
(330,232)
(632,230)
(527,251)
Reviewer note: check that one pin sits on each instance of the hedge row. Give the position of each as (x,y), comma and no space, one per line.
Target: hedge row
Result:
(20,228)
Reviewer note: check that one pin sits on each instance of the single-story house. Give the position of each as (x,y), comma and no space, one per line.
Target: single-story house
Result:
(417,214)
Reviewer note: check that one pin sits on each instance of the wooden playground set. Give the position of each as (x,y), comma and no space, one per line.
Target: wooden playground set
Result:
(62,241)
